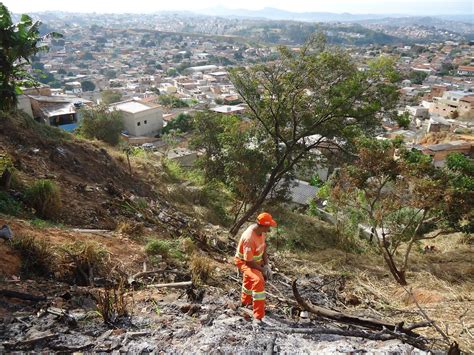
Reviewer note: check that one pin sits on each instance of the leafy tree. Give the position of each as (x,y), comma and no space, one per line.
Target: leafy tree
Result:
(230,157)
(182,123)
(417,77)
(101,123)
(110,96)
(403,201)
(171,101)
(88,85)
(18,43)
(313,99)
(403,120)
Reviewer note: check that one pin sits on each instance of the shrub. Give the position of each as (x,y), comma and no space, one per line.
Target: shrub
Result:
(45,197)
(158,247)
(36,256)
(101,123)
(8,205)
(165,248)
(86,260)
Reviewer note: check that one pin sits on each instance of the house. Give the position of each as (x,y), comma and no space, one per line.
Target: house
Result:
(229,110)
(448,105)
(466,70)
(73,87)
(438,124)
(466,107)
(184,157)
(61,111)
(439,152)
(140,119)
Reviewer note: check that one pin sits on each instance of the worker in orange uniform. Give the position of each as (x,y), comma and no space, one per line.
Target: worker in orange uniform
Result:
(251,259)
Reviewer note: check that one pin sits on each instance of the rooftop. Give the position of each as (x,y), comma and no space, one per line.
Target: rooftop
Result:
(131,106)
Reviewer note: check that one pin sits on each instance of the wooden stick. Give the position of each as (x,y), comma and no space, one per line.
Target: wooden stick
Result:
(347,318)
(173,285)
(22,296)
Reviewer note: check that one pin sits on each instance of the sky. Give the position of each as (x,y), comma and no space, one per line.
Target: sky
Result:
(409,7)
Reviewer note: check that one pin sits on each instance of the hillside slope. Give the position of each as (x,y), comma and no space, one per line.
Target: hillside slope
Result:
(113,226)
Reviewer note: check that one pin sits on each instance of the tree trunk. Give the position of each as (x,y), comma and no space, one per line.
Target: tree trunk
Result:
(5,179)
(399,275)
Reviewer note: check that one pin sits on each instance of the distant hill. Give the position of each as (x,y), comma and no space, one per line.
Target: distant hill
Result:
(277,14)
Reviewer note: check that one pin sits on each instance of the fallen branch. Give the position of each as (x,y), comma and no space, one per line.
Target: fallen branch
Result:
(369,323)
(22,296)
(172,285)
(428,319)
(138,275)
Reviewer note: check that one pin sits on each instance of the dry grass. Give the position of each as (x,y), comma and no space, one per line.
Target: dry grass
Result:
(442,283)
(113,304)
(201,268)
(132,229)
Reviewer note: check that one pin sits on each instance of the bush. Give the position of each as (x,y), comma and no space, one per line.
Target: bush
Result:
(158,247)
(86,260)
(100,123)
(45,197)
(36,256)
(165,248)
(8,205)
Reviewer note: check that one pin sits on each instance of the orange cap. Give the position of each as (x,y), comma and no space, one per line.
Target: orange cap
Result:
(265,219)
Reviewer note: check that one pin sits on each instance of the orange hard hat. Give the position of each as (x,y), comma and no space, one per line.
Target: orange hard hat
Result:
(266,219)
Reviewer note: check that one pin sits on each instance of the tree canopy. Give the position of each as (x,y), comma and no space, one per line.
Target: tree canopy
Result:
(314,98)
(402,198)
(18,43)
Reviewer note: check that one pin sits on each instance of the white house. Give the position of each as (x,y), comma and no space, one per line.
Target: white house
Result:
(140,119)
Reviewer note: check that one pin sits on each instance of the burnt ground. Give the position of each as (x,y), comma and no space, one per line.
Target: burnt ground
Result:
(168,321)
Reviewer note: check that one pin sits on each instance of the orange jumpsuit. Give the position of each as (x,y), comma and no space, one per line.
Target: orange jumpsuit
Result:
(251,247)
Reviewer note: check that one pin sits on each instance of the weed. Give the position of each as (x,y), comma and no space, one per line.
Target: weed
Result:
(41,223)
(165,248)
(36,256)
(45,197)
(158,247)
(132,229)
(8,205)
(112,304)
(86,260)
(187,245)
(201,268)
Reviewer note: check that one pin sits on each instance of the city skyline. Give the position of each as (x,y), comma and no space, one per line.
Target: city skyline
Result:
(402,7)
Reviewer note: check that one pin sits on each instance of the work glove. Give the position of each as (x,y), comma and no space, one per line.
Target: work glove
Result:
(267,273)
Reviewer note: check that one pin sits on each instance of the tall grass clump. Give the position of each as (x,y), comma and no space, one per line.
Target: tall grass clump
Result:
(44,196)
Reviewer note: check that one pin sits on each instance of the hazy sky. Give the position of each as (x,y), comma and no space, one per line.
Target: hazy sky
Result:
(412,7)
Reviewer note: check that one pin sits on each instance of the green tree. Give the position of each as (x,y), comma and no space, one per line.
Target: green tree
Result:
(88,85)
(110,96)
(402,201)
(403,120)
(417,77)
(231,156)
(182,123)
(101,123)
(313,99)
(18,43)
(171,101)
